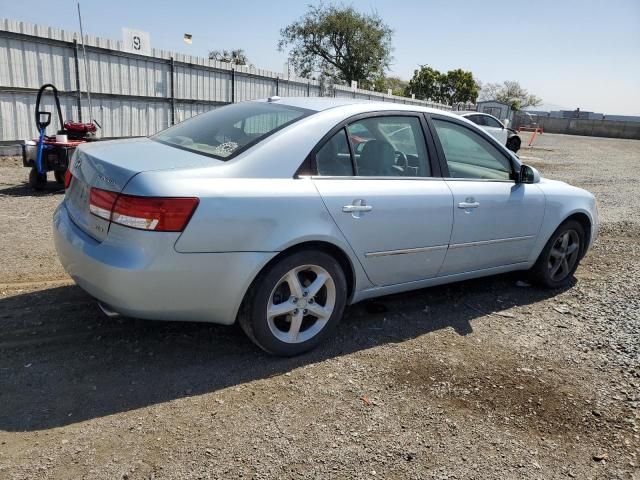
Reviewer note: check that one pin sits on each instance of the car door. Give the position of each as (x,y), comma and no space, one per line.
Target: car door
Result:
(496,220)
(377,180)
(496,129)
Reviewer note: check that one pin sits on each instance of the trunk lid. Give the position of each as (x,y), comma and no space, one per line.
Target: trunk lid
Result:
(110,165)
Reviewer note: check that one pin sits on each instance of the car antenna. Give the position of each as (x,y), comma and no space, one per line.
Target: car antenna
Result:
(86,70)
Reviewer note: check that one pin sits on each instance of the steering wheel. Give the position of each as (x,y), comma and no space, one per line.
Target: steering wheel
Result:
(401,159)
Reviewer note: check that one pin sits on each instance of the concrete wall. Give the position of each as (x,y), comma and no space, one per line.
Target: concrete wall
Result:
(591,128)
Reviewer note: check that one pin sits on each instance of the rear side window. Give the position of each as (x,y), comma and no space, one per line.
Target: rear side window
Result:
(492,122)
(227,131)
(393,147)
(334,159)
(477,119)
(382,146)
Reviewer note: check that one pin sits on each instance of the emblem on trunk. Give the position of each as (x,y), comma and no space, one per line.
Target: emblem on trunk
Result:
(107,179)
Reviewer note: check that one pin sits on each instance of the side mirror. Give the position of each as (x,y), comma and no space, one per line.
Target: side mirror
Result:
(505,123)
(529,175)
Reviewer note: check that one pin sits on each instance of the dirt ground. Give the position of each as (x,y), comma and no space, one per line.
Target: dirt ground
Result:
(480,379)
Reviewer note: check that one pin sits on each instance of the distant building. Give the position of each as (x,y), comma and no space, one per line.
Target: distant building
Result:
(622,118)
(501,111)
(580,114)
(584,115)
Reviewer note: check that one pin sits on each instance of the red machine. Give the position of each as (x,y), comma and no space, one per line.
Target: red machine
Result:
(53,153)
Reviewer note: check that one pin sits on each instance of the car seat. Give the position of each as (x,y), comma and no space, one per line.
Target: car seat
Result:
(378,159)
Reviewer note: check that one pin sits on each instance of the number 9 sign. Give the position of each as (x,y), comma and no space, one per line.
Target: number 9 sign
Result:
(136,41)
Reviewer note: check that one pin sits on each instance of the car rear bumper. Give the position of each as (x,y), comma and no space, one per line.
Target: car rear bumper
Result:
(140,274)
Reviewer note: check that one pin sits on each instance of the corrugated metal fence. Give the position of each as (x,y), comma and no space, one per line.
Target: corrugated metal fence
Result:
(347,92)
(132,95)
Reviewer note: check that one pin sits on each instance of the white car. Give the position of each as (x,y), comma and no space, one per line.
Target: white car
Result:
(498,130)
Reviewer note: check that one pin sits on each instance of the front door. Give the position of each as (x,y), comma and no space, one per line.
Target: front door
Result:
(374,177)
(496,220)
(496,129)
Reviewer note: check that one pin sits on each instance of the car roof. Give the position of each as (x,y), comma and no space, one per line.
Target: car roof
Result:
(464,113)
(319,104)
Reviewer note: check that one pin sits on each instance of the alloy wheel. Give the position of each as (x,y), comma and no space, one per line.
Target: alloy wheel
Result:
(563,255)
(301,304)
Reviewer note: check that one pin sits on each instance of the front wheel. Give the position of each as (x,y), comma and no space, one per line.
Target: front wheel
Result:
(295,303)
(513,144)
(37,181)
(560,257)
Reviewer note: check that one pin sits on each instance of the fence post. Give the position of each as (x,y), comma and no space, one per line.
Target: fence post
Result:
(172,101)
(277,86)
(233,85)
(76,62)
(308,89)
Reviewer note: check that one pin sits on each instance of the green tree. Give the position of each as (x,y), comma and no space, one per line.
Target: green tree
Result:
(338,42)
(426,84)
(396,84)
(455,86)
(458,86)
(234,57)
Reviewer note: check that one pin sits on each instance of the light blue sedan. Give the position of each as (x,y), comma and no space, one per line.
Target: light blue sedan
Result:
(279,213)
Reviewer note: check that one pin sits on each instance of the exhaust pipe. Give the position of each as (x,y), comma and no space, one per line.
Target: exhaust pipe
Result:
(107,310)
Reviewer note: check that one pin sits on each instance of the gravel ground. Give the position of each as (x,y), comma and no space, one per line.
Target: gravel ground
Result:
(480,379)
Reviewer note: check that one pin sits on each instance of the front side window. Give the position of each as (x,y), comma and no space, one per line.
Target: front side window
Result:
(226,131)
(468,155)
(389,147)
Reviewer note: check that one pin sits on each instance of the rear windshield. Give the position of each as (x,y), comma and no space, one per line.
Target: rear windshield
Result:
(226,131)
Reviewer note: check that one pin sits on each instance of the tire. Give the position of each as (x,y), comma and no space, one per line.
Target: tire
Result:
(296,329)
(37,181)
(549,270)
(514,143)
(59,175)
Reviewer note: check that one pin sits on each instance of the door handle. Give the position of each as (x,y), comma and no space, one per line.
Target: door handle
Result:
(357,208)
(468,204)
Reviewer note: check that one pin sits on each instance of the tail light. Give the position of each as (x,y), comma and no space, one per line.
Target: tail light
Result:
(101,203)
(67,178)
(160,214)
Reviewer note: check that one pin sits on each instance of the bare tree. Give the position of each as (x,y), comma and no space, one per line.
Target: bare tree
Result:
(509,92)
(489,91)
(234,57)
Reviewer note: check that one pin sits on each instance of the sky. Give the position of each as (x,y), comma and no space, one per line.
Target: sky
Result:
(572,53)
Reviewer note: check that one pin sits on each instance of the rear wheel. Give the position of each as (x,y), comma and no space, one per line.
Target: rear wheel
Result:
(513,143)
(295,303)
(59,176)
(560,257)
(37,181)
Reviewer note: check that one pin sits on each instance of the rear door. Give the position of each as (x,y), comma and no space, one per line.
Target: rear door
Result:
(496,220)
(376,177)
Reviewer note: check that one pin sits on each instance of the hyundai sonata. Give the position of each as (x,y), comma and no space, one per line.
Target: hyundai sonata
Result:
(279,213)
